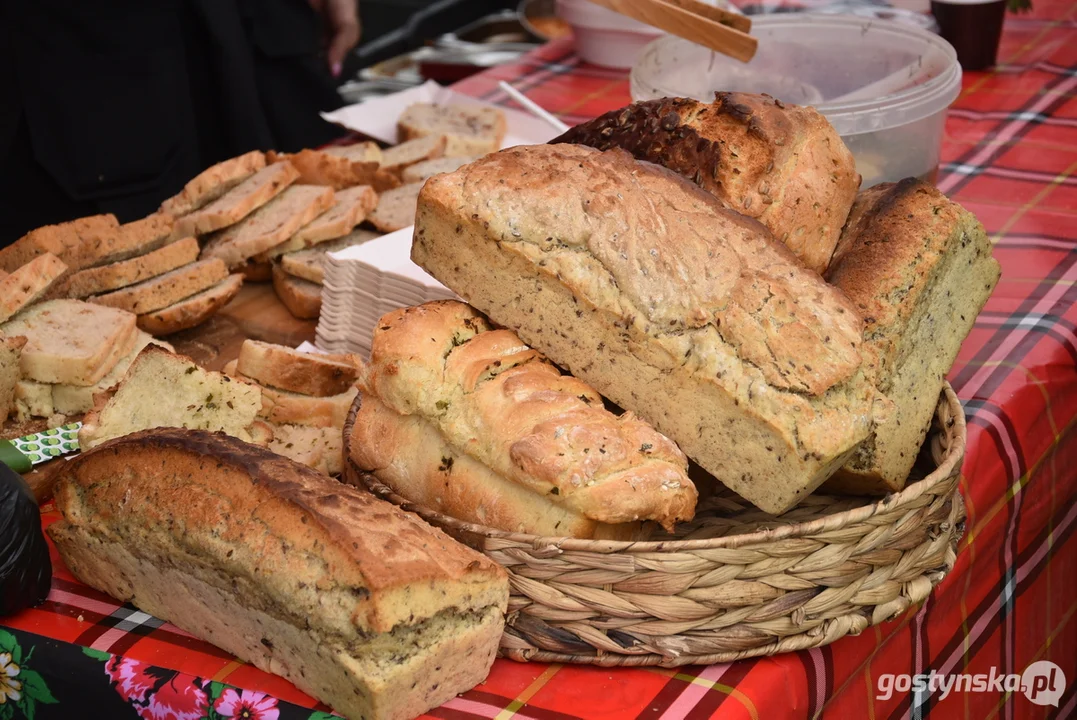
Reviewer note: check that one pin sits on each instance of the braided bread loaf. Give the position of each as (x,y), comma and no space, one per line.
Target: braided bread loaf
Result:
(518,445)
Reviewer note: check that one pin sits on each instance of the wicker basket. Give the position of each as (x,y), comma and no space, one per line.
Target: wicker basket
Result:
(734,583)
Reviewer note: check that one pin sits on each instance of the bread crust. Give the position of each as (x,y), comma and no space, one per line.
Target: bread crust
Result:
(918,268)
(302,298)
(28,283)
(60,240)
(322,168)
(239,202)
(643,286)
(291,570)
(500,402)
(114,276)
(193,310)
(164,290)
(781,164)
(304,373)
(213,182)
(127,241)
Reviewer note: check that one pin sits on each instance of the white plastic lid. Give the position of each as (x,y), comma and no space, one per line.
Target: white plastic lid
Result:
(864,74)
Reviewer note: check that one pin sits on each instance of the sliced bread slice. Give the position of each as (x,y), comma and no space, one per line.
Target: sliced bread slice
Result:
(239,202)
(70,341)
(303,299)
(282,407)
(93,281)
(29,282)
(318,167)
(10,355)
(420,172)
(197,399)
(398,157)
(357,152)
(318,448)
(350,209)
(33,400)
(469,129)
(285,368)
(309,264)
(78,399)
(396,208)
(167,289)
(213,182)
(270,225)
(127,241)
(194,310)
(60,240)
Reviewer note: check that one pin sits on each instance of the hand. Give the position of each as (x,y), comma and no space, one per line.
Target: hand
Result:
(342,29)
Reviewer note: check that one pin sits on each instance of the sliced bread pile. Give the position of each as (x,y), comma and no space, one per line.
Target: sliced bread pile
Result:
(148,267)
(305,399)
(378,186)
(56,355)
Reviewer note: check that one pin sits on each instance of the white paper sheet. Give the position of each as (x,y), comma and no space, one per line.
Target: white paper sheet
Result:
(377,117)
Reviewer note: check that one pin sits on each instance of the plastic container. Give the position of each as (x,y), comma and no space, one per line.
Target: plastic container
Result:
(604,37)
(885,86)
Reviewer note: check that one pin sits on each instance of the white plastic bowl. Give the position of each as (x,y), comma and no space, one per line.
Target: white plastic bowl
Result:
(885,86)
(604,37)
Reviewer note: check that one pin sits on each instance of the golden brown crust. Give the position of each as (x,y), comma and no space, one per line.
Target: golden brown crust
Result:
(61,240)
(213,182)
(305,373)
(153,483)
(194,310)
(28,283)
(321,168)
(113,276)
(302,298)
(502,403)
(781,164)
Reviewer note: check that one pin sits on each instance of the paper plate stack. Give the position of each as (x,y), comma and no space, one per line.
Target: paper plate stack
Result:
(366,281)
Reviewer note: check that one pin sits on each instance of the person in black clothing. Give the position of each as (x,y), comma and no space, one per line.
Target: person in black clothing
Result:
(112,105)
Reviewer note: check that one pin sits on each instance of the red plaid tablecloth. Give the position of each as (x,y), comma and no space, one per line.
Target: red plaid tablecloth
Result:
(1010,156)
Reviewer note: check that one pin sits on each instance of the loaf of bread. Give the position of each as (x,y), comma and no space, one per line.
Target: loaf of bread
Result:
(540,452)
(163,389)
(781,164)
(918,268)
(642,285)
(356,602)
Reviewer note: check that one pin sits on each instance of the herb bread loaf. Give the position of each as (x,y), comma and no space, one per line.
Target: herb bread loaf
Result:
(918,268)
(356,602)
(537,450)
(644,286)
(781,164)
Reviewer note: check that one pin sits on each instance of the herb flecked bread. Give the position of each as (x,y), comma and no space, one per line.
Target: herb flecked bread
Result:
(468,420)
(163,389)
(360,604)
(642,285)
(918,268)
(781,164)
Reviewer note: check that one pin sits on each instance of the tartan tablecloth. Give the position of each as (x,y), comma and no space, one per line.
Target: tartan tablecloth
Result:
(1010,156)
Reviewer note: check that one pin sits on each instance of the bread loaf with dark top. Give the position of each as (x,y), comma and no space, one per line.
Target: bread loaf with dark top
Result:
(642,285)
(360,604)
(781,164)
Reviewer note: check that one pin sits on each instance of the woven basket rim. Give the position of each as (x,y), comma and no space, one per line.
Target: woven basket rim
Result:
(954,455)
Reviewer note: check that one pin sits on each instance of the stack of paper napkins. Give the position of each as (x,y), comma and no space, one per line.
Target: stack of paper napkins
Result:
(364,282)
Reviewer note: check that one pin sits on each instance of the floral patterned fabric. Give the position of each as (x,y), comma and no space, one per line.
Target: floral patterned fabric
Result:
(72,682)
